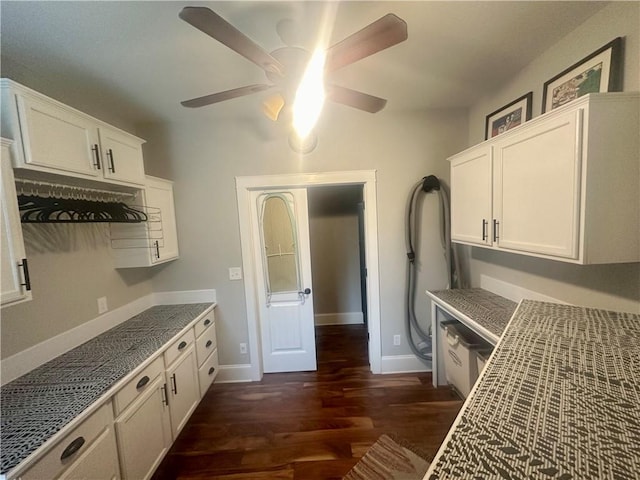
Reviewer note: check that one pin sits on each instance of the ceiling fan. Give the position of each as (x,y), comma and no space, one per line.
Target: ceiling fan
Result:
(284,66)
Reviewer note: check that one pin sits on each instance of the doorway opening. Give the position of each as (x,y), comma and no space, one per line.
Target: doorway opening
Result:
(338,265)
(246,188)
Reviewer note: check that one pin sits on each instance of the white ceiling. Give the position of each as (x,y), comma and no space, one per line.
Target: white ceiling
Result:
(142,57)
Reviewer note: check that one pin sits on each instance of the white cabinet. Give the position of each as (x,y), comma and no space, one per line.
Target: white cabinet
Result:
(121,156)
(14,269)
(563,186)
(471,174)
(53,138)
(182,380)
(206,352)
(88,451)
(143,427)
(153,242)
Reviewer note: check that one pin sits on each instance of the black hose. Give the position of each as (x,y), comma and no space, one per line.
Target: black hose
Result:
(425,185)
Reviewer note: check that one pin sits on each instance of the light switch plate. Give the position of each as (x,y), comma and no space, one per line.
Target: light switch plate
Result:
(235,273)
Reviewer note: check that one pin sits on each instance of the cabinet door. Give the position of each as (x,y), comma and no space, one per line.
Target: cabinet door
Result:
(471,194)
(122,156)
(100,461)
(12,245)
(182,382)
(144,432)
(164,237)
(58,138)
(537,187)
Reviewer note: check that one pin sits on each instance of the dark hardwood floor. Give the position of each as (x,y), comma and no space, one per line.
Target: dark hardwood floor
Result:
(310,425)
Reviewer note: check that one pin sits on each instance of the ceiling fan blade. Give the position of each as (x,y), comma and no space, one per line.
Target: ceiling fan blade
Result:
(218,28)
(355,99)
(383,33)
(226,95)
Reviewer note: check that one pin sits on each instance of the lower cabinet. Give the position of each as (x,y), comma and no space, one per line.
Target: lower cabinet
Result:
(88,451)
(184,392)
(130,434)
(143,429)
(206,352)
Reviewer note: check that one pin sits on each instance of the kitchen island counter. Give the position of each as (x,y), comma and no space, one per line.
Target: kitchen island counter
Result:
(38,405)
(559,399)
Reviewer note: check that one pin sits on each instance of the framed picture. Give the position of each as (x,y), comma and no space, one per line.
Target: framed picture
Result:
(599,72)
(509,116)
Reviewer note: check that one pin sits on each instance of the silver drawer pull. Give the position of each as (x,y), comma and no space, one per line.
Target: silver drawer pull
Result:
(211,370)
(207,322)
(72,448)
(182,345)
(208,344)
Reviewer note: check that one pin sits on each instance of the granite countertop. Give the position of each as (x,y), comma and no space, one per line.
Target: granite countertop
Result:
(39,404)
(487,309)
(559,399)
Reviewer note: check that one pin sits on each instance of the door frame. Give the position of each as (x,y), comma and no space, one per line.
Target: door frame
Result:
(244,186)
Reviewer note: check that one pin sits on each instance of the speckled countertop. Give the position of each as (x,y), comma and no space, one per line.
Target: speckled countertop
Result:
(37,405)
(486,309)
(559,400)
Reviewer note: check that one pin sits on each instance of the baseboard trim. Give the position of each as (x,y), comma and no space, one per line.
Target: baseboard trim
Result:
(343,318)
(234,373)
(23,362)
(404,364)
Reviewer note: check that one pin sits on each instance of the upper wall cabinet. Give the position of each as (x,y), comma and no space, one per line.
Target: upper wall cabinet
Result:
(155,241)
(14,271)
(53,138)
(563,186)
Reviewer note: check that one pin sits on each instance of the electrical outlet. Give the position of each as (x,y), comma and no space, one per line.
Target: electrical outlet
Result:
(235,273)
(243,348)
(396,340)
(102,305)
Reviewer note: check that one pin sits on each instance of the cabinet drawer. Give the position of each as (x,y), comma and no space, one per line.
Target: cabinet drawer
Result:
(205,344)
(99,461)
(72,446)
(179,346)
(137,385)
(208,372)
(204,323)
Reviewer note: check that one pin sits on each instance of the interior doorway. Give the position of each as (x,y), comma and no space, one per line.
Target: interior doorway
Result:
(337,254)
(366,183)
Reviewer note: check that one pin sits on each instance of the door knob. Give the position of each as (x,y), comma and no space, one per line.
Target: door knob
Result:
(306,291)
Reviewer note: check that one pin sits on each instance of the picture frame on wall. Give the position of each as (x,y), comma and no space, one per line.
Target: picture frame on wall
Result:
(509,116)
(600,71)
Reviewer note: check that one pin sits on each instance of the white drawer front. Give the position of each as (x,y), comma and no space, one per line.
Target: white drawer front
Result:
(178,347)
(204,323)
(208,372)
(206,344)
(52,464)
(137,385)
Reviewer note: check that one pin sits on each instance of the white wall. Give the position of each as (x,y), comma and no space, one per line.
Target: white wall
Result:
(70,267)
(614,287)
(204,160)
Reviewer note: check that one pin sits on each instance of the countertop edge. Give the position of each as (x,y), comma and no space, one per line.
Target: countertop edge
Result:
(466,403)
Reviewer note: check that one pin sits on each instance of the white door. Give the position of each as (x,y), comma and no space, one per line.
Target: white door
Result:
(282,258)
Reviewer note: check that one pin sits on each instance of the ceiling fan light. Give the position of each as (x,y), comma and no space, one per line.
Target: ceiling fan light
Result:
(310,95)
(272,106)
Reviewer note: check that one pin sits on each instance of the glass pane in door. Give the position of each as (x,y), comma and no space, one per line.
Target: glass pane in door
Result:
(280,244)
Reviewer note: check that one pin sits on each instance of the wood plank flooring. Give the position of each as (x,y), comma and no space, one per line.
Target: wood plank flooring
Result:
(309,425)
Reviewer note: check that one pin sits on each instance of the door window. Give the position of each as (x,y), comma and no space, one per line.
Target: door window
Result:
(280,243)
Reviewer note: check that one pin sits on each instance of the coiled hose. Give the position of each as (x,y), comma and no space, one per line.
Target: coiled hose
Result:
(424,349)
